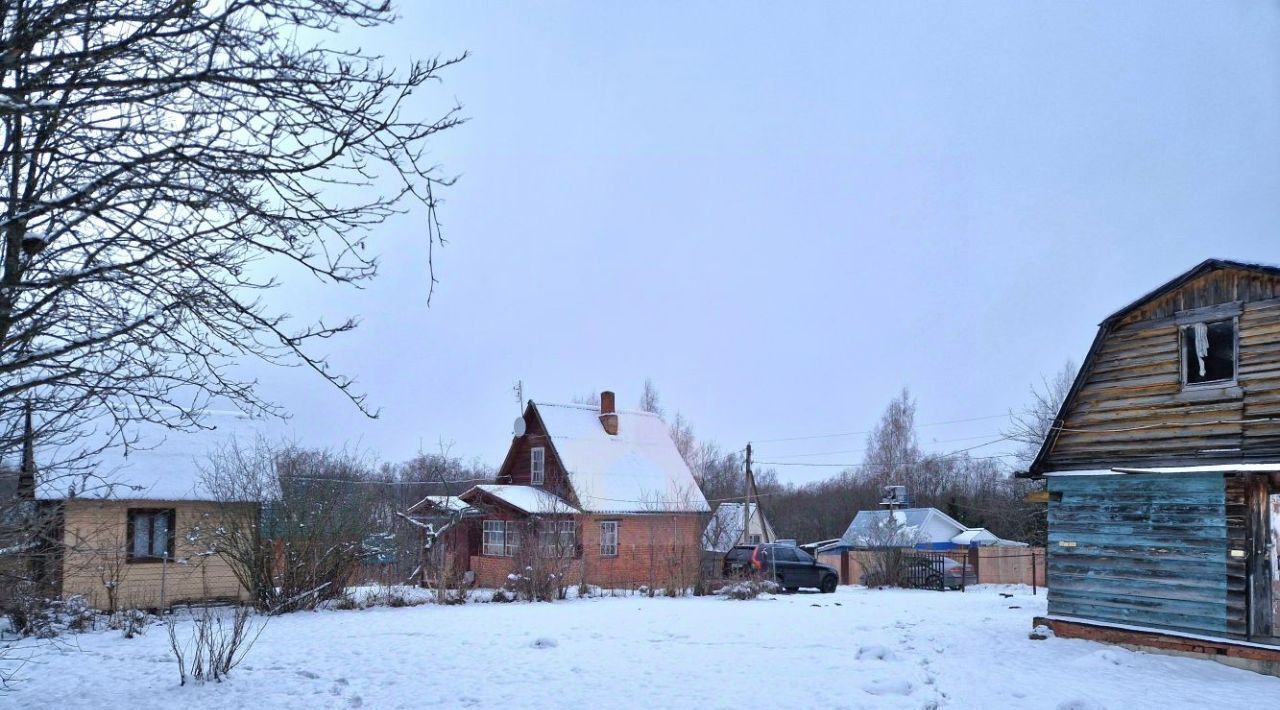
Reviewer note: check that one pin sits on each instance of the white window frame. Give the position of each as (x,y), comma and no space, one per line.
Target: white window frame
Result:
(493,539)
(609,538)
(559,538)
(567,537)
(538,465)
(512,538)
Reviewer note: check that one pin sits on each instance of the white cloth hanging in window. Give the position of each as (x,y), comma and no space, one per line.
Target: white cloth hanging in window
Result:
(1202,343)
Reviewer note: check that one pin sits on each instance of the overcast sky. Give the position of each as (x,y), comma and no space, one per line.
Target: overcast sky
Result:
(783,214)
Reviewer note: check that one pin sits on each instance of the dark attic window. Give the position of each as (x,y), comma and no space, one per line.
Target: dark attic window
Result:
(1209,352)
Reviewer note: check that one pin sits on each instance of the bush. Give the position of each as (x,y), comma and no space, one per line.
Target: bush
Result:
(748,589)
(214,647)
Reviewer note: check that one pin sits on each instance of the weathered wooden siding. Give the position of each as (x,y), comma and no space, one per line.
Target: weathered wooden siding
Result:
(1132,409)
(1144,550)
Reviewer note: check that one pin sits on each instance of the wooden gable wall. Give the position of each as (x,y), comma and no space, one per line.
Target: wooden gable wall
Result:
(1130,407)
(516,466)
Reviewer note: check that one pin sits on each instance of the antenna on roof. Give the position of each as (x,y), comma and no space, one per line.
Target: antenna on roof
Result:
(895,497)
(518,389)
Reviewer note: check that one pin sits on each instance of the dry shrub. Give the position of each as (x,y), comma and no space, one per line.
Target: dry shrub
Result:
(214,647)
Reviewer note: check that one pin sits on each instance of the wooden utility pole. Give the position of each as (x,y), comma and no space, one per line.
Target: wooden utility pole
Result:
(746,500)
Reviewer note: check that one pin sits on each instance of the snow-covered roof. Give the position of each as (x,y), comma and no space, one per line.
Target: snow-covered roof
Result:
(912,526)
(526,499)
(450,504)
(637,470)
(163,465)
(725,527)
(916,526)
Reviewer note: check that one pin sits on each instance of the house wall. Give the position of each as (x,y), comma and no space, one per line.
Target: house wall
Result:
(1132,408)
(1145,550)
(652,549)
(516,469)
(94,536)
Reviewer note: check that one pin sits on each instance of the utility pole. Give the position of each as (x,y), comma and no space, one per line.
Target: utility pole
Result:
(746,500)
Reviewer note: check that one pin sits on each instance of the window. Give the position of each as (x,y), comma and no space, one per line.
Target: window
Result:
(609,538)
(150,535)
(494,542)
(754,540)
(783,553)
(513,538)
(559,538)
(1209,352)
(537,465)
(802,556)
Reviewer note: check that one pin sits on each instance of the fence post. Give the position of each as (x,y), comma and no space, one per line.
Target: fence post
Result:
(1035,572)
(164,571)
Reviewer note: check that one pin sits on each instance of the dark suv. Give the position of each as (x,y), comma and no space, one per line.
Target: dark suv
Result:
(788,565)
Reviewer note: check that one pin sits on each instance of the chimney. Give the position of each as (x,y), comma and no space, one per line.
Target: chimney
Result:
(608,415)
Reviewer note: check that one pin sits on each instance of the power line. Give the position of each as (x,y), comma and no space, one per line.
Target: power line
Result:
(868,431)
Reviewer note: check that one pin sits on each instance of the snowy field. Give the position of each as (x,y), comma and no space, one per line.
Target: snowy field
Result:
(856,649)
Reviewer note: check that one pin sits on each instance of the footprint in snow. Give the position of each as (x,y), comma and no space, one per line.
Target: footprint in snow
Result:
(1080,704)
(878,653)
(890,687)
(545,643)
(309,675)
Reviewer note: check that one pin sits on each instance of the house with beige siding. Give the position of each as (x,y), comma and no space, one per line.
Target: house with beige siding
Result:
(140,530)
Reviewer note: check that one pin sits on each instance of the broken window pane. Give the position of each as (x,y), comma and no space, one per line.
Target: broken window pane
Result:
(1209,352)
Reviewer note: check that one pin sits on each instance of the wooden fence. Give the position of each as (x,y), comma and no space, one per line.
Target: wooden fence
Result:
(995,565)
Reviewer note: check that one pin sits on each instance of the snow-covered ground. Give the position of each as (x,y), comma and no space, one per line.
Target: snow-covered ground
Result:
(857,648)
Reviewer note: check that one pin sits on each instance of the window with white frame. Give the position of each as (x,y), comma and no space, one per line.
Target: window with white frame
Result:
(493,544)
(609,538)
(513,538)
(537,465)
(566,539)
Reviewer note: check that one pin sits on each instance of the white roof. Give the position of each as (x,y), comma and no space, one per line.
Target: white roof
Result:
(452,504)
(725,527)
(527,499)
(163,465)
(637,470)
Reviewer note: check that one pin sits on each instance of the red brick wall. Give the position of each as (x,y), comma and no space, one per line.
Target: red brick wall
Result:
(652,550)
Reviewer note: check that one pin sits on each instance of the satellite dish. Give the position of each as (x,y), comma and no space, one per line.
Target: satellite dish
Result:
(518,427)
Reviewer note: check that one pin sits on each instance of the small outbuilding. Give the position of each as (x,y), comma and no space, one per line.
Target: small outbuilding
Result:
(1163,473)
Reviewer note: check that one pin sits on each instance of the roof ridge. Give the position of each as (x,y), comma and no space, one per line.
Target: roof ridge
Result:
(596,408)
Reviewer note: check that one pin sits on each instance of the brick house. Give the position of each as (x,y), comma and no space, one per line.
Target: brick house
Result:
(606,490)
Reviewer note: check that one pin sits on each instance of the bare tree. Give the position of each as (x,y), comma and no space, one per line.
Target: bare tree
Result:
(166,163)
(307,540)
(1030,425)
(649,401)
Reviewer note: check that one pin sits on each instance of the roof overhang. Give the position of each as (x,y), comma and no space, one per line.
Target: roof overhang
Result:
(525,500)
(1207,468)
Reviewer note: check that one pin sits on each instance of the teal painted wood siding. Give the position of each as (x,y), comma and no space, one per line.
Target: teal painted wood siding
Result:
(1146,550)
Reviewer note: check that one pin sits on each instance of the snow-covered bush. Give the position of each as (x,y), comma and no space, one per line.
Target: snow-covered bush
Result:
(748,589)
(41,617)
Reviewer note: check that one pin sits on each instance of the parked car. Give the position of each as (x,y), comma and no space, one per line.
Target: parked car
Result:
(788,565)
(929,572)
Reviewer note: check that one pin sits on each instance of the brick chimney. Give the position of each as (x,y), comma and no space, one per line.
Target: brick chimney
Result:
(608,414)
